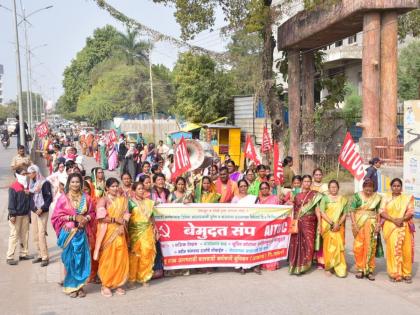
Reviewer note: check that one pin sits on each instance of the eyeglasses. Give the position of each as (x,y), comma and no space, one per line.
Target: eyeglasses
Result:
(264,188)
(242,186)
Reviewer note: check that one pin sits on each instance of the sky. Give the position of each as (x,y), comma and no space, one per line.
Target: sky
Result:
(61,31)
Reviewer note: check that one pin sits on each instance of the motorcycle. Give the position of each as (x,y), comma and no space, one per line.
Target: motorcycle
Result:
(5,141)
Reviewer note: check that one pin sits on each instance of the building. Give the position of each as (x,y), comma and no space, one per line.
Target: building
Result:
(1,84)
(341,57)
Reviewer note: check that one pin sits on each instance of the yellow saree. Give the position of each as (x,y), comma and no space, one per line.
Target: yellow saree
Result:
(112,245)
(399,240)
(142,240)
(333,242)
(364,246)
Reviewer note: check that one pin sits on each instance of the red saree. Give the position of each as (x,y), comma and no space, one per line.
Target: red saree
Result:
(302,244)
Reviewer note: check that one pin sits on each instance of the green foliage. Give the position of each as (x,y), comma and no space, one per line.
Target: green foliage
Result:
(131,48)
(76,76)
(352,110)
(8,110)
(409,71)
(118,88)
(244,53)
(409,24)
(203,91)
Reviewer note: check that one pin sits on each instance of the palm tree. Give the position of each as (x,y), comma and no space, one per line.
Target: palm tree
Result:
(133,49)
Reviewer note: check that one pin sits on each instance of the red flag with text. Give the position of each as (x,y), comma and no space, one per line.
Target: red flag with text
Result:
(250,152)
(278,165)
(350,159)
(42,130)
(182,161)
(266,141)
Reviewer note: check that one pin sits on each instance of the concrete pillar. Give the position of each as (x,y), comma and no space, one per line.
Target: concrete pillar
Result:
(389,83)
(308,109)
(371,74)
(293,80)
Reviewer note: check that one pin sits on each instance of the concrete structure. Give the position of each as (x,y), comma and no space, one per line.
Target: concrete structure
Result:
(245,117)
(307,31)
(1,84)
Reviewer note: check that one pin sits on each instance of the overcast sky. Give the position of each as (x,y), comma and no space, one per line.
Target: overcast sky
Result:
(64,29)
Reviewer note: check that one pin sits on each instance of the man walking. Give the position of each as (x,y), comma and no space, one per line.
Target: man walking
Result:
(21,160)
(19,208)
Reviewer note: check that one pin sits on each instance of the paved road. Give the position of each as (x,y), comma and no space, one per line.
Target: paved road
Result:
(29,289)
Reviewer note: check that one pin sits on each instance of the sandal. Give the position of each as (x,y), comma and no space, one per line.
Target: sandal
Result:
(359,275)
(120,291)
(81,293)
(371,277)
(408,280)
(106,292)
(257,270)
(73,295)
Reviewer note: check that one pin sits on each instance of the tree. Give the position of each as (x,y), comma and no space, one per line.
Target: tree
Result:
(244,53)
(409,71)
(352,110)
(254,16)
(76,76)
(119,88)
(203,91)
(133,49)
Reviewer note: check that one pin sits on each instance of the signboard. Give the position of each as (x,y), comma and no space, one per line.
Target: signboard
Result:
(222,235)
(412,152)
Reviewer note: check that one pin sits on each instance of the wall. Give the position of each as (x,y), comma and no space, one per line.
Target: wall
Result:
(244,117)
(163,127)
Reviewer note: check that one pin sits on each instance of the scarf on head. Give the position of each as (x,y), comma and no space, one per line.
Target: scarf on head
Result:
(35,186)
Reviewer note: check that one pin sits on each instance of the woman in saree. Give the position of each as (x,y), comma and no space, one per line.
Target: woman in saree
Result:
(103,153)
(242,197)
(72,219)
(113,156)
(141,231)
(365,218)
(267,198)
(287,195)
(302,240)
(333,209)
(397,210)
(205,191)
(126,187)
(111,249)
(254,188)
(98,182)
(180,194)
(159,194)
(234,175)
(249,176)
(317,184)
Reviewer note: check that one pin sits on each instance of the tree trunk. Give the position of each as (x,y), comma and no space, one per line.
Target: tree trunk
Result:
(268,90)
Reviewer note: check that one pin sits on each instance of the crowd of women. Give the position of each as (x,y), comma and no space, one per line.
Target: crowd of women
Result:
(107,232)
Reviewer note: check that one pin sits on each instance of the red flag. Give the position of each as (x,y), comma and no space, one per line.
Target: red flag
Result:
(182,161)
(250,152)
(350,159)
(278,165)
(266,141)
(42,130)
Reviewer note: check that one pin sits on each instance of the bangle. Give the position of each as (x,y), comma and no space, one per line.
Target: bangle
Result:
(88,217)
(332,224)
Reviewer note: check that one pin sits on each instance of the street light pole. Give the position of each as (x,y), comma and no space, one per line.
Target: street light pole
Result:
(18,77)
(151,95)
(28,86)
